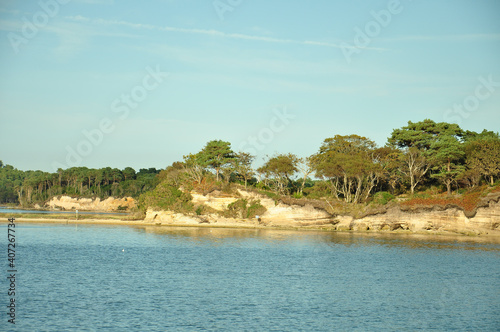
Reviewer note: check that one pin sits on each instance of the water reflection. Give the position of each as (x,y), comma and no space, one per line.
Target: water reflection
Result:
(275,237)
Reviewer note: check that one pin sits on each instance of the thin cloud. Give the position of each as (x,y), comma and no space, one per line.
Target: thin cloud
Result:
(210,32)
(463,37)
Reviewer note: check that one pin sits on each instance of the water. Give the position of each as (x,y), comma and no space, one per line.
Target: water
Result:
(19,211)
(109,278)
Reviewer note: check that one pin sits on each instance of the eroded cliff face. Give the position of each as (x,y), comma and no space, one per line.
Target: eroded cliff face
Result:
(276,215)
(91,204)
(485,221)
(434,219)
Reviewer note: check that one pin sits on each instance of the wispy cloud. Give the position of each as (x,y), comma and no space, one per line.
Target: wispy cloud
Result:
(454,38)
(209,32)
(96,2)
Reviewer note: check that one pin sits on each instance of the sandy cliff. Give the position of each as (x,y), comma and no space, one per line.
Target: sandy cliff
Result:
(91,204)
(434,219)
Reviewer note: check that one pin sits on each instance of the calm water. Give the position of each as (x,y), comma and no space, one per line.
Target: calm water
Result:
(18,211)
(88,278)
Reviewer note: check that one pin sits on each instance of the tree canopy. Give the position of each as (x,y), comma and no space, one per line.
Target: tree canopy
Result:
(418,156)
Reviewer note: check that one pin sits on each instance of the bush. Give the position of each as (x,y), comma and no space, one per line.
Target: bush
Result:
(319,190)
(244,209)
(166,197)
(269,194)
(382,198)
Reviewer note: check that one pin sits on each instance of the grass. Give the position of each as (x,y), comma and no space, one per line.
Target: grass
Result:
(467,201)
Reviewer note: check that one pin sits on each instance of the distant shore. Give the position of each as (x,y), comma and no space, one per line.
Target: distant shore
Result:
(452,236)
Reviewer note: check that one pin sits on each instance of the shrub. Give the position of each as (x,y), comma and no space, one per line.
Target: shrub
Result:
(244,209)
(166,197)
(468,202)
(319,190)
(382,197)
(269,194)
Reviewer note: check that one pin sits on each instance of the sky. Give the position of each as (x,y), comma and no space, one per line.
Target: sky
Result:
(139,84)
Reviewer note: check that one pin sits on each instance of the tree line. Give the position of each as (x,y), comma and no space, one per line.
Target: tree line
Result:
(351,168)
(30,187)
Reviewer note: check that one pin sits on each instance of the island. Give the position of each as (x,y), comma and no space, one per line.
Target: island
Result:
(429,178)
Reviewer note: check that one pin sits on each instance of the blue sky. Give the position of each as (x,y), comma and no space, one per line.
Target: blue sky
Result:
(267,76)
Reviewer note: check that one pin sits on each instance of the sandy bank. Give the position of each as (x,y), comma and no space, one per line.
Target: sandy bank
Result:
(156,227)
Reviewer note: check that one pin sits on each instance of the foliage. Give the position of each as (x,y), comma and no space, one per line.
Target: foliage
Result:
(448,160)
(421,135)
(166,197)
(30,187)
(244,209)
(319,190)
(429,145)
(347,170)
(467,202)
(348,163)
(242,165)
(215,155)
(279,170)
(272,195)
(382,198)
(483,156)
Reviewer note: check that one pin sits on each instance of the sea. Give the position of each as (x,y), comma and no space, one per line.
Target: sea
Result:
(81,277)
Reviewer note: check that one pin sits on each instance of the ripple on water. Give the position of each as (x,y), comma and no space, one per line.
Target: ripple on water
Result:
(79,278)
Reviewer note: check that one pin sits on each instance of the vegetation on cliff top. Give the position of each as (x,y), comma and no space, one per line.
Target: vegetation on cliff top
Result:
(426,162)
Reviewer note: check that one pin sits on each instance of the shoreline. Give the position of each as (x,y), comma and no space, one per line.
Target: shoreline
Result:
(490,237)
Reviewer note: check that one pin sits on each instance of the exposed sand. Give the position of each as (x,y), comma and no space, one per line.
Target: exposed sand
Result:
(490,238)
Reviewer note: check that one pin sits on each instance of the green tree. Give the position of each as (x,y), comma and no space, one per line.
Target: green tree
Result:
(420,143)
(390,160)
(243,166)
(128,173)
(215,155)
(348,163)
(167,197)
(280,169)
(483,156)
(448,156)
(305,168)
(193,168)
(422,135)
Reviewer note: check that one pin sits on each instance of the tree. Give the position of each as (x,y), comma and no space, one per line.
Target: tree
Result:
(390,161)
(215,155)
(280,169)
(422,134)
(483,155)
(243,166)
(416,166)
(128,173)
(448,155)
(421,143)
(347,162)
(305,167)
(193,168)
